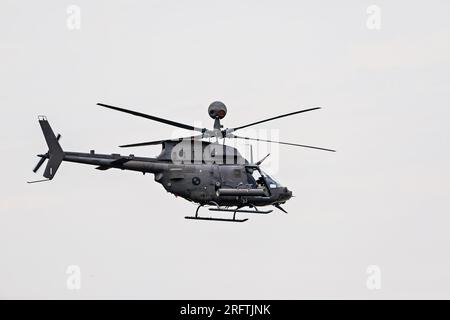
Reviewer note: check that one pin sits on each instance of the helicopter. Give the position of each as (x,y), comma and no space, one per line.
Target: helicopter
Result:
(207,173)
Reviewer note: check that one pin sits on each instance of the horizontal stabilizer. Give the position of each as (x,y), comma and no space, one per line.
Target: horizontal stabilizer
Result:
(113,164)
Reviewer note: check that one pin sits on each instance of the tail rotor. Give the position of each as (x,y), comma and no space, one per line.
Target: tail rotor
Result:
(41,162)
(44,157)
(55,153)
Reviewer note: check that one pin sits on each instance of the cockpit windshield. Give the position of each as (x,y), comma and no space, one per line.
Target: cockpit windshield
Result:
(271,182)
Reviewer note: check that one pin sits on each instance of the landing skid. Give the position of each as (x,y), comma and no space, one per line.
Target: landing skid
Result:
(218,208)
(216,219)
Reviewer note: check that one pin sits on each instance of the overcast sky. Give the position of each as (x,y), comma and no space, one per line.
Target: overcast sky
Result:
(382,199)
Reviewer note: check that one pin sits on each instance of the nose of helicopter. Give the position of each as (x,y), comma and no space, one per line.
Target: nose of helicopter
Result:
(286,194)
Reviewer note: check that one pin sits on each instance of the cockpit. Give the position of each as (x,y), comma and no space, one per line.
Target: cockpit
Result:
(259,179)
(271,182)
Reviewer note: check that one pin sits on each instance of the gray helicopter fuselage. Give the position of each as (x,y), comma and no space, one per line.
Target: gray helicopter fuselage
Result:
(202,182)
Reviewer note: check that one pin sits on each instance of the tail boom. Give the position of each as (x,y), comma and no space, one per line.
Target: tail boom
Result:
(56,156)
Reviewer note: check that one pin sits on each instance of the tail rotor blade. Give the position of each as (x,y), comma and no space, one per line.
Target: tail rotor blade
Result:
(39,164)
(44,157)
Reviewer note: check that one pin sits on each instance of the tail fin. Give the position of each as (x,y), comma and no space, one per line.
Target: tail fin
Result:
(55,152)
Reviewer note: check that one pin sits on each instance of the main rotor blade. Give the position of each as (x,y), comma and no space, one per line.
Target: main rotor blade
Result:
(286,143)
(147,116)
(273,118)
(152,143)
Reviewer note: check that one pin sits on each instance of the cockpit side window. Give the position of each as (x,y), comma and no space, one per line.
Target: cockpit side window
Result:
(254,178)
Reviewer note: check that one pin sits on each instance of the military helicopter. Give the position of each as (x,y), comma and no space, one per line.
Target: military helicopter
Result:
(210,174)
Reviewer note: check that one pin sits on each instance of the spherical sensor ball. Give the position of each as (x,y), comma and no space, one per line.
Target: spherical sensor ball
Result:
(217,109)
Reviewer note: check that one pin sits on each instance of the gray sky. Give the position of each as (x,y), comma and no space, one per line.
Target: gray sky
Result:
(382,199)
